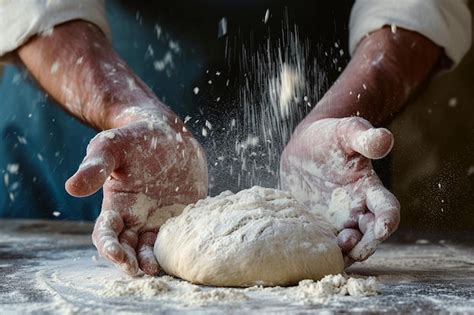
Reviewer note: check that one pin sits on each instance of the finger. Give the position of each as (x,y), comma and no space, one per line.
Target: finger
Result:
(347,239)
(365,220)
(368,243)
(105,236)
(99,163)
(386,209)
(361,137)
(129,240)
(146,256)
(366,246)
(358,209)
(379,224)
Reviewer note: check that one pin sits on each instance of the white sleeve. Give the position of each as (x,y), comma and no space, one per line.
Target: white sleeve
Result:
(22,19)
(445,22)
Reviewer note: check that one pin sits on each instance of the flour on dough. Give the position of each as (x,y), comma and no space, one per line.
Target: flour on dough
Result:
(259,236)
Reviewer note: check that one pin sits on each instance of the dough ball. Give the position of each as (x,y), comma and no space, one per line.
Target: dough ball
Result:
(259,236)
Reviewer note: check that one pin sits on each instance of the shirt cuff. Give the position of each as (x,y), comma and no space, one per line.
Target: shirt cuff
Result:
(445,22)
(22,19)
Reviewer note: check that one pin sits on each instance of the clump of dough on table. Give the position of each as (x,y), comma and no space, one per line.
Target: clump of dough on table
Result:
(259,236)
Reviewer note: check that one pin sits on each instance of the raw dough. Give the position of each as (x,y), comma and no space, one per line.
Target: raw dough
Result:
(258,236)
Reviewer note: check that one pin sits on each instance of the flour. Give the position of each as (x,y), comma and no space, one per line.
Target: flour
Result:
(424,278)
(339,207)
(267,16)
(286,87)
(142,287)
(168,288)
(199,297)
(306,292)
(281,81)
(309,291)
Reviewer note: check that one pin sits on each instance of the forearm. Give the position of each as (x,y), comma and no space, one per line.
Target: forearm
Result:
(78,67)
(385,71)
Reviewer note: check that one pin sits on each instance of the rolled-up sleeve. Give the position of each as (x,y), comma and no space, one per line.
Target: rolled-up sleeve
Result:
(445,22)
(22,19)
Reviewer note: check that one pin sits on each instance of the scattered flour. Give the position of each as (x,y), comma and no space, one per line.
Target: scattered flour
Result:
(309,291)
(199,297)
(287,86)
(267,16)
(184,293)
(172,289)
(434,277)
(143,287)
(222,28)
(453,102)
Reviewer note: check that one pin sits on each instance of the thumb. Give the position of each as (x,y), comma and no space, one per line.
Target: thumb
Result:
(363,138)
(94,170)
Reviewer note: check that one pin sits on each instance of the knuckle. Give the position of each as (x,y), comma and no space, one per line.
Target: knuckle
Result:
(98,143)
(358,121)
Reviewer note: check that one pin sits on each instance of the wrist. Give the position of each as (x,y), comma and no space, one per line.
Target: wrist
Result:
(151,110)
(78,67)
(381,77)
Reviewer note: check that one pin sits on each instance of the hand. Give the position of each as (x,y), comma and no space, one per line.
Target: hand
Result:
(149,165)
(326,165)
(150,170)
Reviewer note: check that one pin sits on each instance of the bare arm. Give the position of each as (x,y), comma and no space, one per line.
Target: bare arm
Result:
(385,71)
(145,161)
(79,68)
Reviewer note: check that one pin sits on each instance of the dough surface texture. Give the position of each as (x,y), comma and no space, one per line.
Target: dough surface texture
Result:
(259,236)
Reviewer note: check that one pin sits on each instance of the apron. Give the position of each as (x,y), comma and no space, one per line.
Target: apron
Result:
(175,48)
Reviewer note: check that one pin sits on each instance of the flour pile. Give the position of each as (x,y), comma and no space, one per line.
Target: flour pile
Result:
(336,285)
(171,289)
(144,287)
(184,293)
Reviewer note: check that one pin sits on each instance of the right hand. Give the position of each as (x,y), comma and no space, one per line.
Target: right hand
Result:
(150,170)
(327,166)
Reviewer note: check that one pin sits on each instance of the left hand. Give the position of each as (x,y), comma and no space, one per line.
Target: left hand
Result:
(150,169)
(326,166)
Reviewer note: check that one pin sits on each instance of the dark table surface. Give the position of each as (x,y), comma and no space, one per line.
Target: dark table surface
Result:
(419,273)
